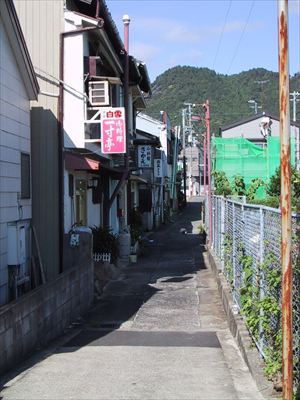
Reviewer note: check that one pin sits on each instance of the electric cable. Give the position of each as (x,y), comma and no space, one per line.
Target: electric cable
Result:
(241,37)
(222,33)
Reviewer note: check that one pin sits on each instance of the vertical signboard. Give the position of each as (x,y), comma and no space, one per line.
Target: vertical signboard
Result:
(157,168)
(144,156)
(113,132)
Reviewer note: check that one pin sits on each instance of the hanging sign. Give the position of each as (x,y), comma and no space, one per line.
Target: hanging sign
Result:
(113,132)
(157,168)
(144,156)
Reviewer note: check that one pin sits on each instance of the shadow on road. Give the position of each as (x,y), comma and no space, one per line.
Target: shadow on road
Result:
(171,256)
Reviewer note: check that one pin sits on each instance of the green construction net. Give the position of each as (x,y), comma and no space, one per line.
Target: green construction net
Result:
(238,156)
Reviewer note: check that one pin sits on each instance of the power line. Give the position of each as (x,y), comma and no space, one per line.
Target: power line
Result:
(241,37)
(221,36)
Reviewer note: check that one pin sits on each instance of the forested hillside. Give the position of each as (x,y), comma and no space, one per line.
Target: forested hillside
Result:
(228,94)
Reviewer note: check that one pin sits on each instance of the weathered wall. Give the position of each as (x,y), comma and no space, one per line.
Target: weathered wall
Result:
(42,22)
(42,314)
(14,140)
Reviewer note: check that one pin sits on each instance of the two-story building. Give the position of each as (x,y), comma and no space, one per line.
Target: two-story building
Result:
(94,67)
(18,85)
(79,59)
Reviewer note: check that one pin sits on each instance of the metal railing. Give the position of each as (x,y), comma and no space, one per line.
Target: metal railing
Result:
(251,234)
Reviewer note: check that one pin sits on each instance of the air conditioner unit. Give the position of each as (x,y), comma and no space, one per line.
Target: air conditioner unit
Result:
(99,93)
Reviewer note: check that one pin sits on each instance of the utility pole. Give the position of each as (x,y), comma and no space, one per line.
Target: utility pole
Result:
(255,105)
(294,100)
(207,123)
(204,165)
(183,151)
(189,129)
(295,129)
(285,197)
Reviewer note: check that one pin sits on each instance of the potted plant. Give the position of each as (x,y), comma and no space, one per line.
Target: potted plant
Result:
(136,229)
(105,241)
(202,233)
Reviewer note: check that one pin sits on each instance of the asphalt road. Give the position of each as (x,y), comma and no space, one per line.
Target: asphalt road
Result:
(159,332)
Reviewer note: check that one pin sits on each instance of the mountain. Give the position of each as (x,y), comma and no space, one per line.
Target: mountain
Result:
(228,94)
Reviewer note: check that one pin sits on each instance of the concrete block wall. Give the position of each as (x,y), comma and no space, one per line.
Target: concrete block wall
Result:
(42,314)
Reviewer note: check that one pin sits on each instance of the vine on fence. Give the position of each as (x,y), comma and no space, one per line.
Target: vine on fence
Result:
(263,311)
(228,267)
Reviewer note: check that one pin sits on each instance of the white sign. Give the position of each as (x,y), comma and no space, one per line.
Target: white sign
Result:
(157,168)
(144,156)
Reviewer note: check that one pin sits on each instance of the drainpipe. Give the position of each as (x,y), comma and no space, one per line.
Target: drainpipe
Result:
(126,21)
(61,134)
(97,10)
(285,202)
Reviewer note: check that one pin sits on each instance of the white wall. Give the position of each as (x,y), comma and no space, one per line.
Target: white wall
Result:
(93,211)
(14,139)
(73,76)
(147,124)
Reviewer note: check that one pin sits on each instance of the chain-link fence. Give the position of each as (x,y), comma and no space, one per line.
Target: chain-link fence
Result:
(247,242)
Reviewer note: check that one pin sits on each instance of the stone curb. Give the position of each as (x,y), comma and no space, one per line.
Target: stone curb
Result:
(239,330)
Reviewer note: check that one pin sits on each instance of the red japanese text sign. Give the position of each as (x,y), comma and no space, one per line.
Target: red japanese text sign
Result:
(113,130)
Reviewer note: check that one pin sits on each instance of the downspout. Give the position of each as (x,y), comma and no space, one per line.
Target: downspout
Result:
(61,135)
(126,21)
(97,10)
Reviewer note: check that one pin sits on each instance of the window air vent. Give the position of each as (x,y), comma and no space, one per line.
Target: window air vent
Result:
(99,93)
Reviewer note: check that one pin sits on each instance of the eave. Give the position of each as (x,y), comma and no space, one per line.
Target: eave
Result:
(14,32)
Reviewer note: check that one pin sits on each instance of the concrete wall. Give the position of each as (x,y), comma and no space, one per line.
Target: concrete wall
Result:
(42,23)
(14,139)
(42,314)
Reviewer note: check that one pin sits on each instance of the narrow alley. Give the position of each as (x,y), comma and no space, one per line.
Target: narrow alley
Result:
(159,332)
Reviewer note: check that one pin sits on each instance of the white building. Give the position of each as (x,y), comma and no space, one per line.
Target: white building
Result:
(18,85)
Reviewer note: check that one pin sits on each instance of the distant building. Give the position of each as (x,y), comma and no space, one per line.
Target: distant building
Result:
(256,129)
(194,183)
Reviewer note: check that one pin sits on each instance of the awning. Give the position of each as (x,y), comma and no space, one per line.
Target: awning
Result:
(113,173)
(80,163)
(138,179)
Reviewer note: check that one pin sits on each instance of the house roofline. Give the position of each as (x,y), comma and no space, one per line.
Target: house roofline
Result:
(17,41)
(253,118)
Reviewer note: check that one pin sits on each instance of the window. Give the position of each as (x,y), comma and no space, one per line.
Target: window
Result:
(25,176)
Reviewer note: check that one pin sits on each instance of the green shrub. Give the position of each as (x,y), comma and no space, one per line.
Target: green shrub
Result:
(221,183)
(269,201)
(104,241)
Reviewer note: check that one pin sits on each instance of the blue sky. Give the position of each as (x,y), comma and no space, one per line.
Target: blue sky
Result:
(227,36)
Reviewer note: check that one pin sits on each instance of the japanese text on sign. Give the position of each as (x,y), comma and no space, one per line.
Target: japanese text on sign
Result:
(113,131)
(144,156)
(157,168)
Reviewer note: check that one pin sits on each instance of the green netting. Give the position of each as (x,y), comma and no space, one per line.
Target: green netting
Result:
(238,156)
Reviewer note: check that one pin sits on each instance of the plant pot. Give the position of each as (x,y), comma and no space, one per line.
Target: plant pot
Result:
(133,258)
